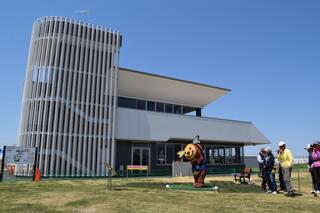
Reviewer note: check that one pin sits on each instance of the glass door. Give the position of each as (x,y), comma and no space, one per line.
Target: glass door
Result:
(140,156)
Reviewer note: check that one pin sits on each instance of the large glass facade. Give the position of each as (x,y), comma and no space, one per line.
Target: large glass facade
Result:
(214,154)
(224,154)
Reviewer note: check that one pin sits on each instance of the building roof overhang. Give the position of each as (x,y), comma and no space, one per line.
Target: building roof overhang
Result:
(142,85)
(140,125)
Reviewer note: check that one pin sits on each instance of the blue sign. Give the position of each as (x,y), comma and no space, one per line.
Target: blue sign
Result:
(1,152)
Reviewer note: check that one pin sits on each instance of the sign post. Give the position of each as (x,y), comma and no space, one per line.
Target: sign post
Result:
(18,155)
(299,176)
(111,172)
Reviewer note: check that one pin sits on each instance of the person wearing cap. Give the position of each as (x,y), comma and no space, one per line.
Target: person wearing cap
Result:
(316,166)
(262,174)
(268,165)
(285,159)
(309,148)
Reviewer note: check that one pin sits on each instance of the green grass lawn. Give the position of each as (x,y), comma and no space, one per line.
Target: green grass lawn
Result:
(150,195)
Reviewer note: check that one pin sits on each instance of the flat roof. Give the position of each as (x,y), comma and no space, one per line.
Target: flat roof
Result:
(143,85)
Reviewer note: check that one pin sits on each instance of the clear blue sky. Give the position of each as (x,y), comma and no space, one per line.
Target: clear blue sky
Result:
(267,52)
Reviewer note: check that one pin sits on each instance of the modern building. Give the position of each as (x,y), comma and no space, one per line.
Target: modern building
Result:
(83,111)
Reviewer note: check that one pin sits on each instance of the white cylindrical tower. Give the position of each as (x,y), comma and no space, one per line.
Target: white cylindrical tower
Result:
(69,96)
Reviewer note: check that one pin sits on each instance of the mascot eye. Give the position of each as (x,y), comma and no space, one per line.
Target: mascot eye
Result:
(190,148)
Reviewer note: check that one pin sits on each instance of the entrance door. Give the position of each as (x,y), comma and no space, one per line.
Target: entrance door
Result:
(140,156)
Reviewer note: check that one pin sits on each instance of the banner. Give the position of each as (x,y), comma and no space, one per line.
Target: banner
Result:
(19,155)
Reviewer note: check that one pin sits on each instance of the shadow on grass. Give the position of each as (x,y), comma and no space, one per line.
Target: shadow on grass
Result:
(140,185)
(231,187)
(224,186)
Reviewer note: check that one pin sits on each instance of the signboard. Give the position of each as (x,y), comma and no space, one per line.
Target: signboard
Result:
(19,155)
(137,167)
(1,152)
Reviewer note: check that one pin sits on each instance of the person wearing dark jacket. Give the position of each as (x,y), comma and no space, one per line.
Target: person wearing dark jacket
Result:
(262,173)
(268,165)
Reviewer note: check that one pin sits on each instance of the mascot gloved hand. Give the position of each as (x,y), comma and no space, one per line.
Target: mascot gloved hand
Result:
(194,153)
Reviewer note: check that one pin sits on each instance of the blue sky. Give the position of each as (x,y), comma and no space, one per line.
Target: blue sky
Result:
(267,52)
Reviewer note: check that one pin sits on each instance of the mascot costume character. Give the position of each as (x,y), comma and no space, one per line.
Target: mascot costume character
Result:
(195,154)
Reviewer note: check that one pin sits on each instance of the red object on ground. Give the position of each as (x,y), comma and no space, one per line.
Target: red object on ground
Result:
(37,177)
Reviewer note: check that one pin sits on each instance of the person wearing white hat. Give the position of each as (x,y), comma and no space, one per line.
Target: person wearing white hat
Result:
(309,148)
(285,159)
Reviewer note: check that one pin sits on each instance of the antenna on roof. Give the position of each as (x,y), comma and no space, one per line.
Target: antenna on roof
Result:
(83,13)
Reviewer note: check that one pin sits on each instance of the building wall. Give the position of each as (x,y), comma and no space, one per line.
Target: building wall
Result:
(68,104)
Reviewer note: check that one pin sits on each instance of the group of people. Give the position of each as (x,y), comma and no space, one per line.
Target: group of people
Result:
(269,164)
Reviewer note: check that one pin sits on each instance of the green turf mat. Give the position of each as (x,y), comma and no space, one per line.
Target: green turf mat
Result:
(190,187)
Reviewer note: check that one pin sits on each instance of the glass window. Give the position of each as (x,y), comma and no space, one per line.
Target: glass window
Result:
(187,109)
(209,154)
(160,107)
(215,155)
(140,145)
(151,105)
(177,148)
(161,158)
(218,155)
(127,102)
(141,104)
(221,155)
(169,153)
(236,156)
(177,109)
(209,151)
(228,152)
(241,154)
(168,108)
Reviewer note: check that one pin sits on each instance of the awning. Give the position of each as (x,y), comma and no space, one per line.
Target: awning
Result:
(148,86)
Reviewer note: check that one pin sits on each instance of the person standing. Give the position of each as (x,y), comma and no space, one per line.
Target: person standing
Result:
(285,159)
(309,148)
(262,174)
(268,165)
(281,181)
(260,158)
(316,166)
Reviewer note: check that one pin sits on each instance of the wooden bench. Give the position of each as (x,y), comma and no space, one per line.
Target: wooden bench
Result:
(242,176)
(138,168)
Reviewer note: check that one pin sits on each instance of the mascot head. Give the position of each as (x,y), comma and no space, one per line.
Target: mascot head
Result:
(189,152)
